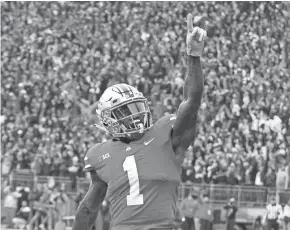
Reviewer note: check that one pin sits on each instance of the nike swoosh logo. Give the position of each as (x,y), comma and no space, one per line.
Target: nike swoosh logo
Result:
(148,142)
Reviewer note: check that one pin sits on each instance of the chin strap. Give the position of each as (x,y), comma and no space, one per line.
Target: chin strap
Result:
(141,127)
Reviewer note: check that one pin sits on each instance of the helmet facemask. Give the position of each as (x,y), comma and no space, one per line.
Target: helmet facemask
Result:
(128,119)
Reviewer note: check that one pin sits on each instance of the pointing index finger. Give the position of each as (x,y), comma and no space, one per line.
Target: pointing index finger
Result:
(189,22)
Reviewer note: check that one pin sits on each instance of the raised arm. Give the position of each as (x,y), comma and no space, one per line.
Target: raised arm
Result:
(184,129)
(89,207)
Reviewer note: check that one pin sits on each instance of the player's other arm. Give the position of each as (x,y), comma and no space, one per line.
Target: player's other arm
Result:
(184,129)
(89,207)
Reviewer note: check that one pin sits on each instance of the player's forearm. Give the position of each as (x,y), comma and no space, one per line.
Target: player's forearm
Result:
(89,207)
(193,87)
(84,218)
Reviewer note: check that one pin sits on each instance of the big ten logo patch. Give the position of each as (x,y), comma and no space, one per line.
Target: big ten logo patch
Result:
(104,156)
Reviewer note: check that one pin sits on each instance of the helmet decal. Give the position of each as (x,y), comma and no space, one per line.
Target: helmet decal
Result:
(124,90)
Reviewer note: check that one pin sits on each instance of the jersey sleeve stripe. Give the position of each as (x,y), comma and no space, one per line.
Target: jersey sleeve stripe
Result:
(172,118)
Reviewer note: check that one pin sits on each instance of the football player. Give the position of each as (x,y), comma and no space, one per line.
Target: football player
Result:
(138,170)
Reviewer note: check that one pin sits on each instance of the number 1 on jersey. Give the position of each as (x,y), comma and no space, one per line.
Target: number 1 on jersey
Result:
(134,198)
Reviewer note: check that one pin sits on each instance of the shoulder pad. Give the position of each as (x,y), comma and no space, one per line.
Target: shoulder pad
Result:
(91,155)
(166,120)
(163,127)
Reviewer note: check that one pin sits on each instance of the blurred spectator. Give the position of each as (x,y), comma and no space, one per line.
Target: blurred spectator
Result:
(205,212)
(282,176)
(231,211)
(10,205)
(274,212)
(22,216)
(41,209)
(24,195)
(188,208)
(257,225)
(58,198)
(286,214)
(270,178)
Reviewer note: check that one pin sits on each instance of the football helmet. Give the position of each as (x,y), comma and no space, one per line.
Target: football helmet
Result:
(123,111)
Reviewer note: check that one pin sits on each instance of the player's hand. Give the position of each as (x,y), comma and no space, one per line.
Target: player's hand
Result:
(195,38)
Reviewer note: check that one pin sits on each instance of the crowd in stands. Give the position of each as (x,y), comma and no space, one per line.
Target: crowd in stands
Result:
(15,208)
(38,207)
(58,57)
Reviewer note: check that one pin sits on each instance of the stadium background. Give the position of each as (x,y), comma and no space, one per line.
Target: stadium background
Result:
(58,57)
